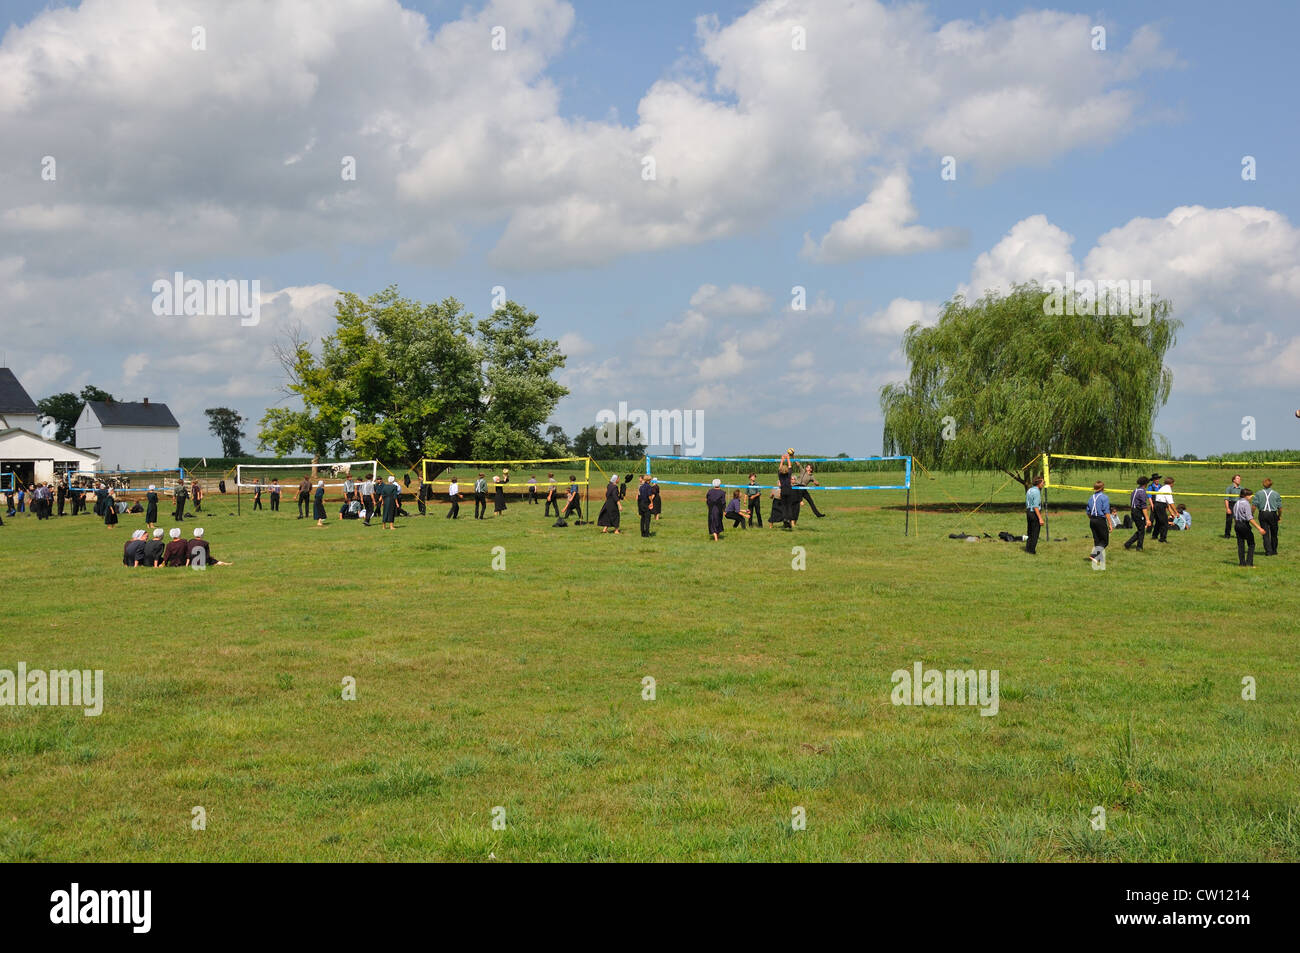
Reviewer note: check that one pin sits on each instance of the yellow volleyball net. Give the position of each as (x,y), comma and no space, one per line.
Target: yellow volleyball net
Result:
(1210,479)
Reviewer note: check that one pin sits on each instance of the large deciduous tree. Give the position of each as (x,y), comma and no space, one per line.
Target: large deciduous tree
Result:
(227,426)
(399,380)
(65,408)
(996,382)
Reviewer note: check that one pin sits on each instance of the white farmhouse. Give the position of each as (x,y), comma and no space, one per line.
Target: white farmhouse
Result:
(130,436)
(26,455)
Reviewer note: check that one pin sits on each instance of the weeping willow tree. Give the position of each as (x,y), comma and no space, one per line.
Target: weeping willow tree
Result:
(996,382)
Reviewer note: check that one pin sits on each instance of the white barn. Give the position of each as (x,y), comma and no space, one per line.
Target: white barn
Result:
(24,452)
(130,436)
(32,458)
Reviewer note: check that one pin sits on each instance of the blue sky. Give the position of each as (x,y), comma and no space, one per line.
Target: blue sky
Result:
(775,168)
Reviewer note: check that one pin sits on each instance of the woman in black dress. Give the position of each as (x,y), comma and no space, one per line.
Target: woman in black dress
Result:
(318,505)
(151,507)
(613,508)
(656,501)
(110,509)
(716,499)
(499,496)
(391,494)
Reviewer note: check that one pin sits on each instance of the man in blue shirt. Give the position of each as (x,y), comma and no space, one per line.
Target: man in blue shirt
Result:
(1033,516)
(1099,521)
(1140,506)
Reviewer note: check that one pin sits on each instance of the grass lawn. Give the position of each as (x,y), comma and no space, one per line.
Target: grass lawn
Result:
(522,689)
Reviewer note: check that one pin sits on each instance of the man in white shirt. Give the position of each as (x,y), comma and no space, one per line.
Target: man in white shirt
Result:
(368,498)
(1164,507)
(348,488)
(453,497)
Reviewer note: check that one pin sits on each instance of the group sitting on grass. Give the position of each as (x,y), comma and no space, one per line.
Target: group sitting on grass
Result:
(142,550)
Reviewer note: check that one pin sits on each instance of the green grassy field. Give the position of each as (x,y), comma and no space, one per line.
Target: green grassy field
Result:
(523,689)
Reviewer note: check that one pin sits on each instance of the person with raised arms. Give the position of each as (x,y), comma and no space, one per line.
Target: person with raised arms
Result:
(499,495)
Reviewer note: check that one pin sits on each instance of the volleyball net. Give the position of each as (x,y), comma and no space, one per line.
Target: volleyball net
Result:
(334,472)
(892,475)
(1204,479)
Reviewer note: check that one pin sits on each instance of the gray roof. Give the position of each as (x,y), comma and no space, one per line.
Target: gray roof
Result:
(118,414)
(14,399)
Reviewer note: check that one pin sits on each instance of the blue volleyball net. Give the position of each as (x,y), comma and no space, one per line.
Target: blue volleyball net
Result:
(832,475)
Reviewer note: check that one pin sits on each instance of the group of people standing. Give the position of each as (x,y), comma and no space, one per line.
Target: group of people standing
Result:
(361,501)
(788,497)
(1152,510)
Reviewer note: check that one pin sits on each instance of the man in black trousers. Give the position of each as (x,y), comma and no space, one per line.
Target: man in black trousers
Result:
(63,495)
(1140,507)
(1230,497)
(480,498)
(643,504)
(1033,515)
(1269,504)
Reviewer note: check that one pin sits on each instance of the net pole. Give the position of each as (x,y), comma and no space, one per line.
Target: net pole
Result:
(1047,525)
(907,506)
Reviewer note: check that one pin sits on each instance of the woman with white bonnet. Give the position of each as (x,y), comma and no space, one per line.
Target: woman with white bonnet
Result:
(389,492)
(318,504)
(715,499)
(177,552)
(197,544)
(151,507)
(133,552)
(613,508)
(153,550)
